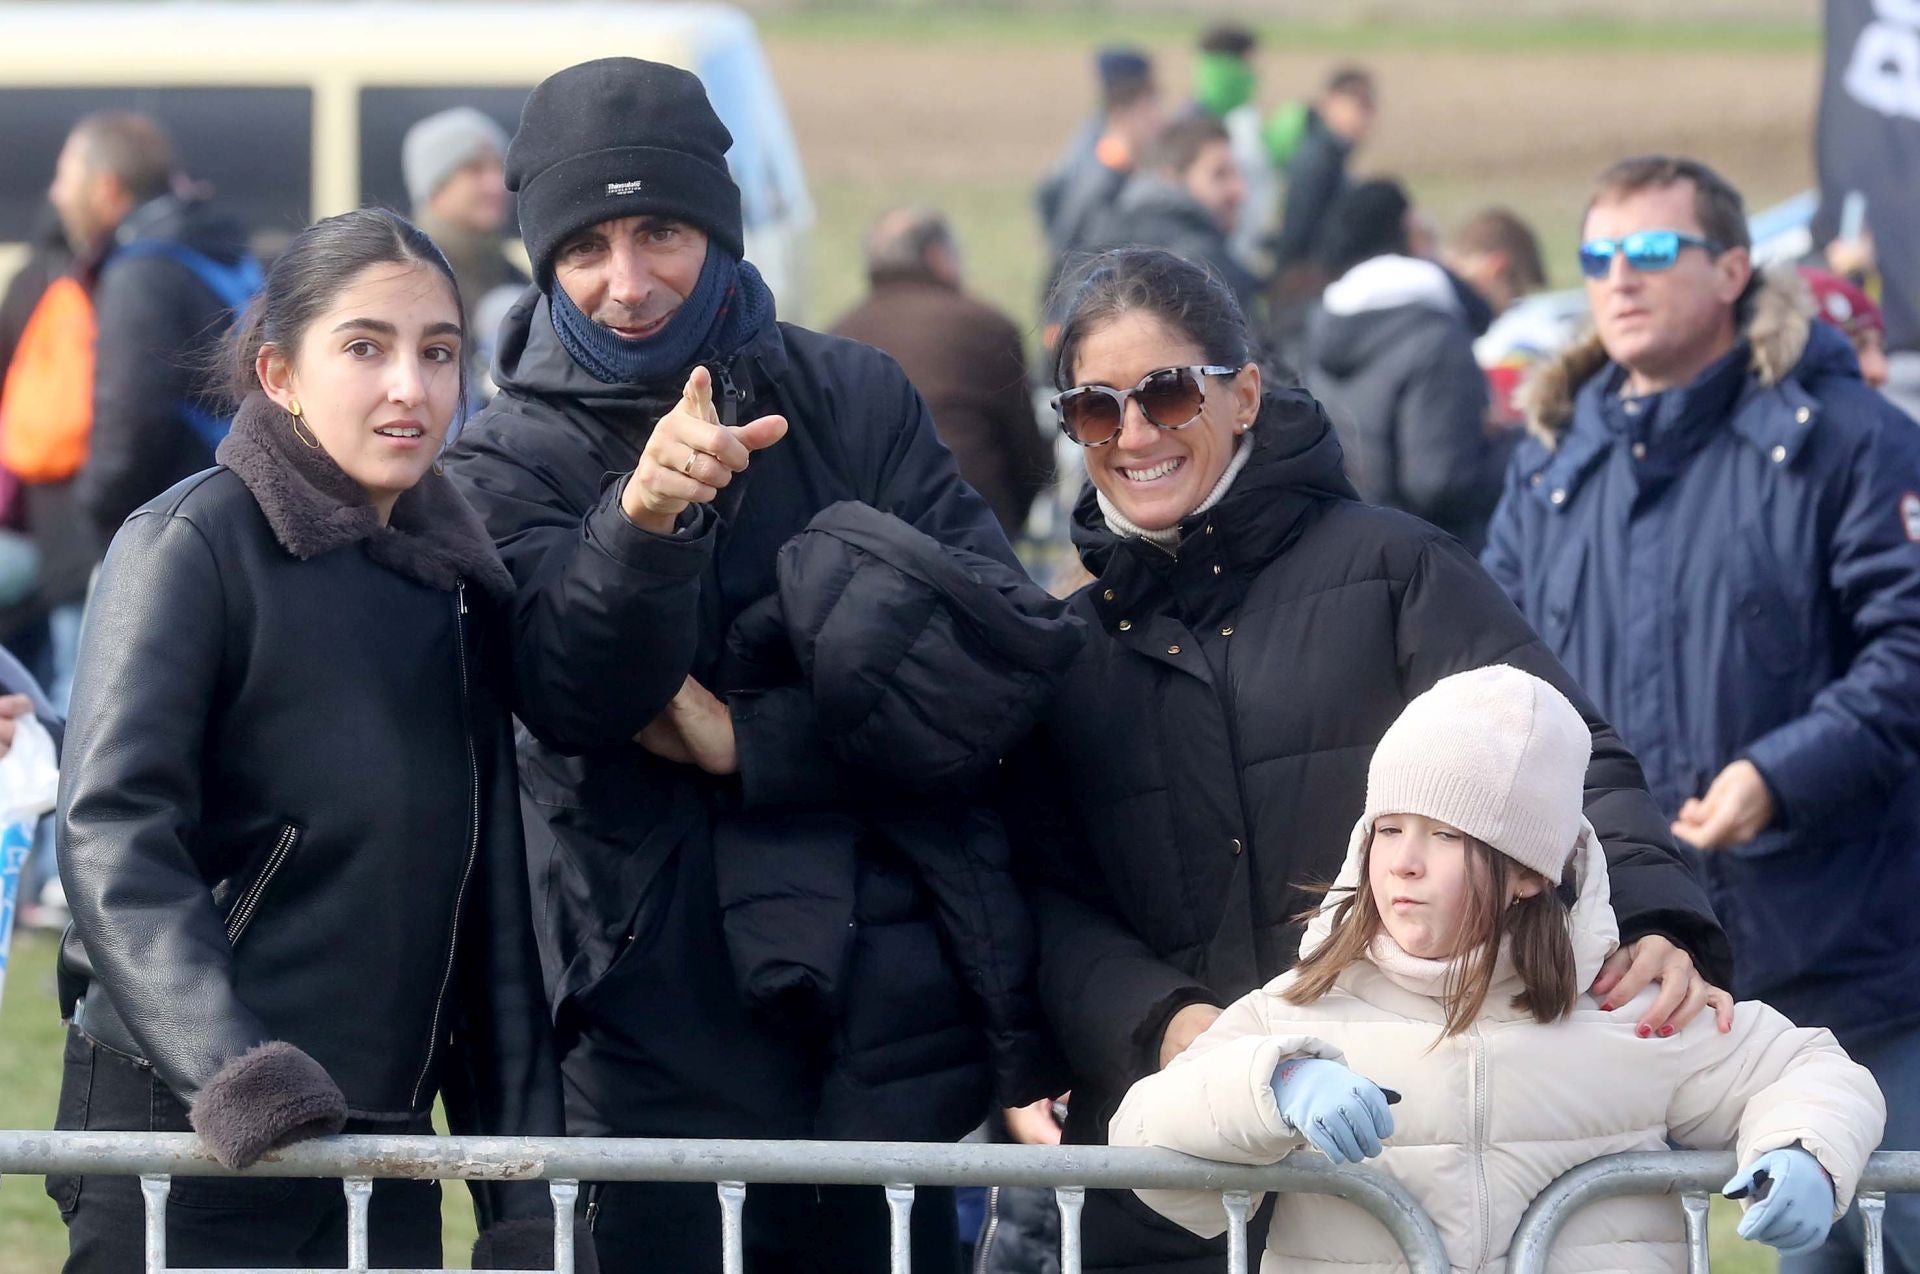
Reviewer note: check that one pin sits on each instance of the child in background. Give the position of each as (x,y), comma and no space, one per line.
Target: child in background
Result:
(1446,964)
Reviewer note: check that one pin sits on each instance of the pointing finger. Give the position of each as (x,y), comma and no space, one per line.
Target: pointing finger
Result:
(697,397)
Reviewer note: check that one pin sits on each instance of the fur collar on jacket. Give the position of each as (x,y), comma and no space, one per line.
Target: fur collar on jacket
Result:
(1777,331)
(433,536)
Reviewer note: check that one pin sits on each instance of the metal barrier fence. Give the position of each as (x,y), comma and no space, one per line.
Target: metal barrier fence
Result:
(565,1162)
(1695,1176)
(898,1167)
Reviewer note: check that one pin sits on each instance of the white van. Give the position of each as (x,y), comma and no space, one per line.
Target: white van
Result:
(296,111)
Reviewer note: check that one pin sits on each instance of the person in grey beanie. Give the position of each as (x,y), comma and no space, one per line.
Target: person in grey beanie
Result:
(454,163)
(656,438)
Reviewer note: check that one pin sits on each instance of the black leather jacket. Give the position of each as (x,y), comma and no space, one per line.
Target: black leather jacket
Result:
(288,805)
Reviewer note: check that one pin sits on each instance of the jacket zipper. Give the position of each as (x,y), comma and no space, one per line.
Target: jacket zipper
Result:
(729,395)
(1480,1145)
(987,1231)
(242,914)
(473,840)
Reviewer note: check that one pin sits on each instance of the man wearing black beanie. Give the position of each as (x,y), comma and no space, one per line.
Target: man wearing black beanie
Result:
(656,438)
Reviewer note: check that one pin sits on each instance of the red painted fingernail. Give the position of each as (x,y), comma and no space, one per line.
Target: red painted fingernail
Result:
(1665,1031)
(1642,1031)
(1606,1008)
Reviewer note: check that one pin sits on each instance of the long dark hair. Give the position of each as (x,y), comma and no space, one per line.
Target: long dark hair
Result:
(322,260)
(1186,297)
(1542,945)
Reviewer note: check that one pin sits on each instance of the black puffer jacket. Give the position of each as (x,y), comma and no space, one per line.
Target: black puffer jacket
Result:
(1207,756)
(287,807)
(610,620)
(926,665)
(159,327)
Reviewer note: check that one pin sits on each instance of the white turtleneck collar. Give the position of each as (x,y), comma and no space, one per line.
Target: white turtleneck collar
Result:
(1169,537)
(1428,977)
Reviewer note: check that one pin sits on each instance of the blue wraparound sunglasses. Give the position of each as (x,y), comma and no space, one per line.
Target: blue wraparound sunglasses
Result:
(1649,251)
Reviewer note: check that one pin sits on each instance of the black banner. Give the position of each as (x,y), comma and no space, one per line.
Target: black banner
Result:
(1868,148)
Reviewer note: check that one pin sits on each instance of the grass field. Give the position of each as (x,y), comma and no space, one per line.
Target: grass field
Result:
(965,110)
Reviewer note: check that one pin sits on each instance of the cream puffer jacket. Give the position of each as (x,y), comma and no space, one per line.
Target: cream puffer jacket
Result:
(1490,1117)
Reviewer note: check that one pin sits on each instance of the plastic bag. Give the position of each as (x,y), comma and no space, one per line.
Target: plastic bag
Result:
(29,786)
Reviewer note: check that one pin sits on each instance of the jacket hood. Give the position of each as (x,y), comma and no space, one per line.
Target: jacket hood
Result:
(1296,460)
(1781,332)
(1373,308)
(1388,282)
(530,362)
(192,223)
(1595,933)
(1148,198)
(433,537)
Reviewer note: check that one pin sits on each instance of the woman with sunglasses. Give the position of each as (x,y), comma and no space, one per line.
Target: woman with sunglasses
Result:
(1255,629)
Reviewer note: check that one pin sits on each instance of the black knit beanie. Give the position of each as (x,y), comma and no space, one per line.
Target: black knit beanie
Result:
(619,137)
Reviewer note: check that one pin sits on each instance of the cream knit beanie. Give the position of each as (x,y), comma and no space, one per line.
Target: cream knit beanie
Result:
(1497,753)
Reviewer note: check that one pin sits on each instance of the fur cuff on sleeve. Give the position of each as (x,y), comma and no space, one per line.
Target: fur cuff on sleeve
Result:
(527,1244)
(270,1096)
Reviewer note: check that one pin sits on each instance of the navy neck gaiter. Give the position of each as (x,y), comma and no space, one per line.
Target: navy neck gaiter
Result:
(728,306)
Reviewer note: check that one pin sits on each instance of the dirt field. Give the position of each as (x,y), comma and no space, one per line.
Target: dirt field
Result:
(970,123)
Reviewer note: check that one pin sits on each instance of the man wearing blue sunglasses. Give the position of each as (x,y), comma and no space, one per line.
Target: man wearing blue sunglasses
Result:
(1716,527)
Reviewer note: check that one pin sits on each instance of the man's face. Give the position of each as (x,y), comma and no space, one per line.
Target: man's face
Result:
(475,196)
(1214,180)
(1349,114)
(89,202)
(1484,272)
(631,274)
(1663,325)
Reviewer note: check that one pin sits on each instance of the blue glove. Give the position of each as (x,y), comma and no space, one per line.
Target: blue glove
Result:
(1340,1114)
(1795,1207)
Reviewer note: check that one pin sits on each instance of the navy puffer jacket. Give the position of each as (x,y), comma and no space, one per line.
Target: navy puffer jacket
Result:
(1732,570)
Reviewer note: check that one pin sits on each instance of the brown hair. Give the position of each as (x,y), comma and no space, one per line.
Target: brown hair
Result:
(133,148)
(1178,145)
(1501,230)
(1350,81)
(1717,206)
(1538,927)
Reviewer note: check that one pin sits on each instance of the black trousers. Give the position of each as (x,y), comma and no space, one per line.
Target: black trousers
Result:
(645,1228)
(213,1222)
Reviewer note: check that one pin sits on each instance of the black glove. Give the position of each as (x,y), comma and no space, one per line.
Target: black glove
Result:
(527,1244)
(268,1097)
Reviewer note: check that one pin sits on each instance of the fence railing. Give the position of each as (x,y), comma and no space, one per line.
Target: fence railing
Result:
(563,1163)
(1695,1176)
(156,1158)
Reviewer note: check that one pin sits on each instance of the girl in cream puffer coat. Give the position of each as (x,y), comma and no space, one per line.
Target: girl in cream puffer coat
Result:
(1503,1096)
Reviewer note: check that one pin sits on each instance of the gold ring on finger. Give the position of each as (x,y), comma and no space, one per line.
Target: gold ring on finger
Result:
(692,455)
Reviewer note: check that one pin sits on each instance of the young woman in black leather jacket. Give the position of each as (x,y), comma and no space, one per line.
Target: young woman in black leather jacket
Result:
(288,816)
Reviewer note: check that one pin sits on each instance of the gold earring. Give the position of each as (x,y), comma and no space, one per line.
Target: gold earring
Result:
(306,437)
(293,408)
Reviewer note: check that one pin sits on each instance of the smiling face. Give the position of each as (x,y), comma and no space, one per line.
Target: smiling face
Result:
(1666,326)
(631,274)
(1155,476)
(376,376)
